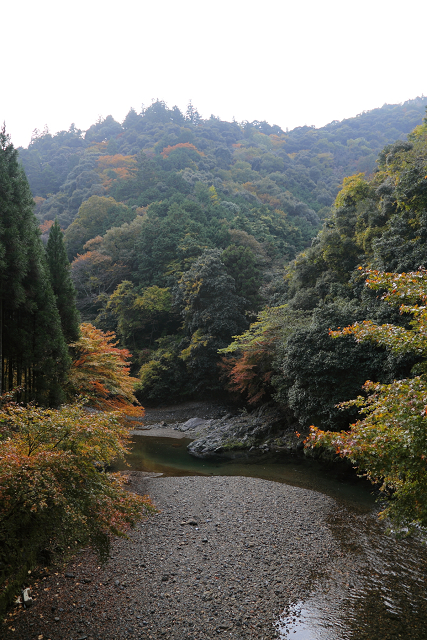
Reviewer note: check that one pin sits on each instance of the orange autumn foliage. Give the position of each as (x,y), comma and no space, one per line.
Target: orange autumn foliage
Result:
(55,488)
(182,145)
(276,140)
(123,167)
(100,372)
(251,369)
(249,374)
(116,161)
(45,226)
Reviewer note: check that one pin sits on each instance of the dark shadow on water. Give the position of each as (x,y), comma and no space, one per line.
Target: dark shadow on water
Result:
(169,456)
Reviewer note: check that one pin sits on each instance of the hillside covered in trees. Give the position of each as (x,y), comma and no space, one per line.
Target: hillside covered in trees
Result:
(179,229)
(377,223)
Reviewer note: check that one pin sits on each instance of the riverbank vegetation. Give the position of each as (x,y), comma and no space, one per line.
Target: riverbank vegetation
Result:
(377,229)
(389,443)
(56,494)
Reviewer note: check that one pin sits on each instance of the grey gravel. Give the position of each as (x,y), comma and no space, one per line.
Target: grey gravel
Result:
(254,549)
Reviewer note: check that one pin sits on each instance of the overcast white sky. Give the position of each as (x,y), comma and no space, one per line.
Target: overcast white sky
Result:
(288,62)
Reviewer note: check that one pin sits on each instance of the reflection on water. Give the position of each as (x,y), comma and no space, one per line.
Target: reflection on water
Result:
(374,590)
(170,457)
(305,621)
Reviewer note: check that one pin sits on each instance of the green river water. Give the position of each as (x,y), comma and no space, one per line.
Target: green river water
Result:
(377,592)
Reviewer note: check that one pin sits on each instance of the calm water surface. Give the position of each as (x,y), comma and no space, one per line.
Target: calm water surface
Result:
(376,589)
(170,457)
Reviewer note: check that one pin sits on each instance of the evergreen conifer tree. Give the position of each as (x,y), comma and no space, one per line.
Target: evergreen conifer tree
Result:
(63,288)
(33,351)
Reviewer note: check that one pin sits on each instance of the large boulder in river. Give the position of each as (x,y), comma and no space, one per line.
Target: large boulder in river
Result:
(234,436)
(191,424)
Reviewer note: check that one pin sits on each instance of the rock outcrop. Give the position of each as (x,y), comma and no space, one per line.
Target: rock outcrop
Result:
(262,431)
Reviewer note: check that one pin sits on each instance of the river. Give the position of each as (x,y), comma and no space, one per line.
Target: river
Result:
(376,589)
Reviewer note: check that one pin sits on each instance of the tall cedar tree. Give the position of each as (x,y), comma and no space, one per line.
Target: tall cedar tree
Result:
(33,351)
(63,288)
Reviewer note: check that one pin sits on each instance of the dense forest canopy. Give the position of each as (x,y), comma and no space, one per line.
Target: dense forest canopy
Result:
(308,163)
(378,222)
(171,220)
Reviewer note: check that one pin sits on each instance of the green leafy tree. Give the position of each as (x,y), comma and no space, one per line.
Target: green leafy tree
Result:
(212,313)
(95,276)
(163,373)
(102,129)
(119,243)
(95,216)
(388,444)
(192,115)
(317,373)
(62,285)
(242,265)
(141,317)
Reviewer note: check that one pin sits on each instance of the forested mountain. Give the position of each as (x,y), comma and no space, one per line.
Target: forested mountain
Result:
(179,227)
(377,223)
(307,162)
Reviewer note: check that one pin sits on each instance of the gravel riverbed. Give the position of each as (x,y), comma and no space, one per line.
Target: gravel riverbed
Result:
(222,558)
